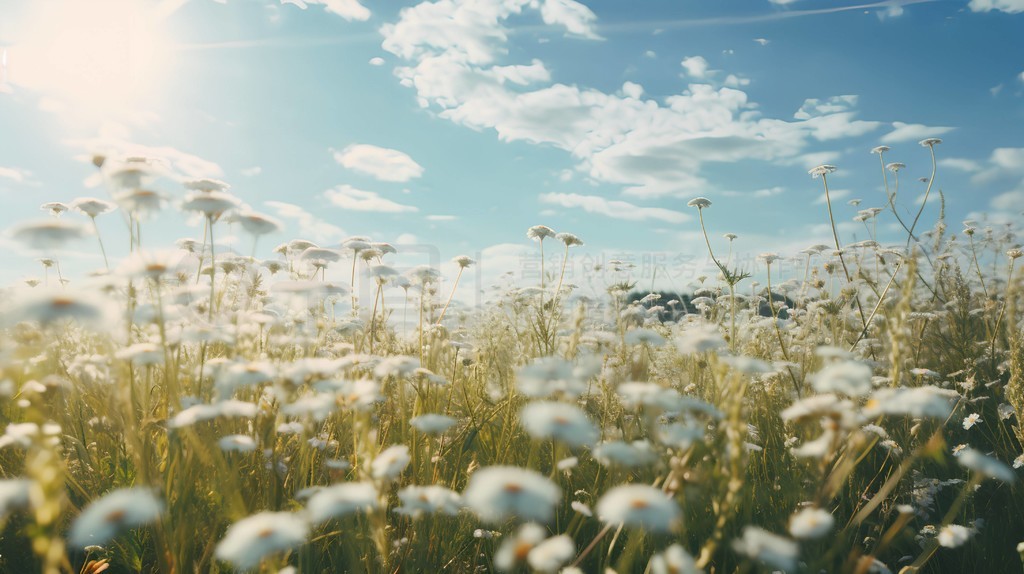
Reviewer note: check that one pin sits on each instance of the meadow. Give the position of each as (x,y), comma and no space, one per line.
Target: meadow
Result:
(191,409)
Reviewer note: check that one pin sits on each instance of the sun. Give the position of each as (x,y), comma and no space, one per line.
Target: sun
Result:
(90,57)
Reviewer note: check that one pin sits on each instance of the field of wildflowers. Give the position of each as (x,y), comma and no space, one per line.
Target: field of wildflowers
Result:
(191,410)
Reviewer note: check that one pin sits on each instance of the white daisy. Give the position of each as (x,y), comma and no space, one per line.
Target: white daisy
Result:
(499,492)
(253,538)
(639,505)
(120,509)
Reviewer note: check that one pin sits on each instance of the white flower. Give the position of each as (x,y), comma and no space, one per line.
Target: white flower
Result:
(204,412)
(142,354)
(986,465)
(629,455)
(815,405)
(13,494)
(151,264)
(929,142)
(681,435)
(559,421)
(582,508)
(774,550)
(54,306)
(549,555)
(206,185)
(547,376)
(954,535)
(639,505)
(644,337)
(319,254)
(211,204)
(254,537)
(569,239)
(237,443)
(811,523)
(880,149)
(895,166)
(699,202)
(1006,411)
(341,499)
(699,340)
(49,233)
(55,208)
(430,499)
(919,402)
(1019,461)
(92,206)
(141,203)
(390,462)
(849,378)
(674,560)
(19,434)
(499,492)
(119,509)
(432,423)
(257,223)
(821,170)
(971,420)
(245,374)
(515,549)
(540,232)
(396,366)
(317,406)
(463,261)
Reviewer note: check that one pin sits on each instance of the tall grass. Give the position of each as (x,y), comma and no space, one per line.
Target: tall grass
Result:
(872,427)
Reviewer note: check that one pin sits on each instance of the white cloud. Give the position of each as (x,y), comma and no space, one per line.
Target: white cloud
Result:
(813,159)
(652,148)
(376,61)
(13,174)
(813,107)
(1004,163)
(894,11)
(308,224)
(1009,201)
(1009,6)
(960,164)
(695,66)
(382,163)
(251,171)
(760,193)
(650,54)
(833,194)
(734,81)
(912,132)
(836,126)
(441,218)
(1020,77)
(347,9)
(632,90)
(521,75)
(762,41)
(614,209)
(348,197)
(575,17)
(407,239)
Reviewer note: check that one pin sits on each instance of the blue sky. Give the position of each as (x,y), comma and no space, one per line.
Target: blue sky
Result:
(458,124)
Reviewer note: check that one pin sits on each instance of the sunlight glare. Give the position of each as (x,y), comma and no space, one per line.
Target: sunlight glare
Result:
(92,58)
